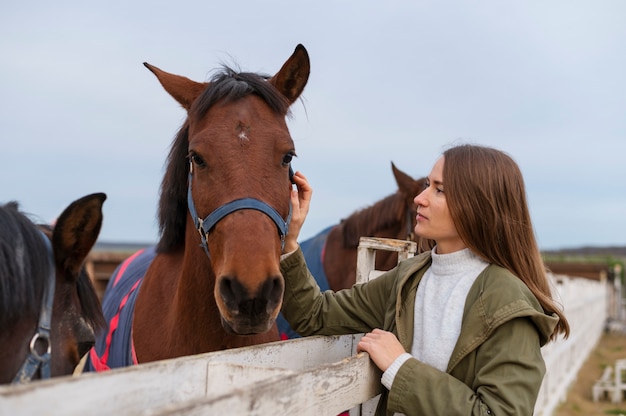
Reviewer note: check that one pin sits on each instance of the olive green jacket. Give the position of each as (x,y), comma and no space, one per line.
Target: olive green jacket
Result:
(496,367)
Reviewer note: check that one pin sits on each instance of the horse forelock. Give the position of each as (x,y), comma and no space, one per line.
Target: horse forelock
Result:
(386,213)
(230,85)
(23,270)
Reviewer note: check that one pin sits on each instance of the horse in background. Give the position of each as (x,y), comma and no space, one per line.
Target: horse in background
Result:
(331,254)
(390,217)
(213,281)
(49,310)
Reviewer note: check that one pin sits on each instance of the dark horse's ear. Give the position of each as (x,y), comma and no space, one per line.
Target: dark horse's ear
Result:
(184,90)
(76,231)
(294,74)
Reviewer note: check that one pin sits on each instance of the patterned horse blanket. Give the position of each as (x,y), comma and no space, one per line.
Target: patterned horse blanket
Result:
(313,250)
(117,349)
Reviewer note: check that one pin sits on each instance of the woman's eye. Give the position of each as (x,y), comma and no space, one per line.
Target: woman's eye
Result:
(287,159)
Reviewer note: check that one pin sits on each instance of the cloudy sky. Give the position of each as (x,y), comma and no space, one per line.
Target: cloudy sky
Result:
(394,81)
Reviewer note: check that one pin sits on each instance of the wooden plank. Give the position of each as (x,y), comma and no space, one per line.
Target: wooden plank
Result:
(224,378)
(133,389)
(325,390)
(126,391)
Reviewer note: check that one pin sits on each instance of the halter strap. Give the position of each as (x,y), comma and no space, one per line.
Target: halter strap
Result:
(36,361)
(205,225)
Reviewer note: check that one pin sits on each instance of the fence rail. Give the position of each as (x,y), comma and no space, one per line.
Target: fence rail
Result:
(305,376)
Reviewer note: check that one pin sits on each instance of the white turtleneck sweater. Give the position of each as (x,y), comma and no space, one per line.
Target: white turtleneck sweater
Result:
(439,304)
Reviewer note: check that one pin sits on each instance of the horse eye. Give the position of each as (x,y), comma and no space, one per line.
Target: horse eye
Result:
(197,159)
(287,158)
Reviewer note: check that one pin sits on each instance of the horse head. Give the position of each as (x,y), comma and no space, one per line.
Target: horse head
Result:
(227,186)
(50,310)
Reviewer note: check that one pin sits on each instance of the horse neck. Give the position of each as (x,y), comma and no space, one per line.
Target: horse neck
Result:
(194,308)
(385,218)
(177,302)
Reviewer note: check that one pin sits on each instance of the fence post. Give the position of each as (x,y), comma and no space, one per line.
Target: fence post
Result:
(366,271)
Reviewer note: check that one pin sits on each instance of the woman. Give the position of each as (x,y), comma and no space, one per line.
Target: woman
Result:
(457,329)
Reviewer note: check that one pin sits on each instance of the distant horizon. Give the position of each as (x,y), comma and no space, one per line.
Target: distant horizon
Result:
(101,244)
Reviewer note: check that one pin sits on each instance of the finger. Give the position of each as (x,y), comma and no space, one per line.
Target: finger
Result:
(295,200)
(303,185)
(363,346)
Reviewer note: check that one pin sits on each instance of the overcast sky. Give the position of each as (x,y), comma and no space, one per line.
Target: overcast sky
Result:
(394,81)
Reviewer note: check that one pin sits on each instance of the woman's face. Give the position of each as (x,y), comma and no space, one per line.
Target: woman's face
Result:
(433,217)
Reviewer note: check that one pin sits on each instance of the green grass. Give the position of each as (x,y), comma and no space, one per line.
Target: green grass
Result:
(615,412)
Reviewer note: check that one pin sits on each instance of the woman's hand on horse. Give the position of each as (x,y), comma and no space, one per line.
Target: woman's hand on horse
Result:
(300,202)
(382,346)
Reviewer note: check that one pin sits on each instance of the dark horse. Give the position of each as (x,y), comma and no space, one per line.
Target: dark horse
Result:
(331,255)
(49,310)
(213,281)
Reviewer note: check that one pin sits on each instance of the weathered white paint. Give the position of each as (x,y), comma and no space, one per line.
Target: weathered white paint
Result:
(261,375)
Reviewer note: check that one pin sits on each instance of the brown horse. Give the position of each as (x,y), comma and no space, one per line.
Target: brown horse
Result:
(213,282)
(49,310)
(331,255)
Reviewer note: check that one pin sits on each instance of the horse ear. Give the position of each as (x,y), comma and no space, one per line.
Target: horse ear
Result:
(405,182)
(184,90)
(294,74)
(76,231)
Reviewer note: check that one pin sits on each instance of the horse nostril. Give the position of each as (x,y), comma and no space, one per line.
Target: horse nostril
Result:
(272,290)
(232,292)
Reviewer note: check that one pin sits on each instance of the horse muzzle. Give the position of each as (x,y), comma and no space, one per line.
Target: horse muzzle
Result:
(244,312)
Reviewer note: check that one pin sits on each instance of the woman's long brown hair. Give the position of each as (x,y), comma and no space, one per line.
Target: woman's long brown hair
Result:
(486,196)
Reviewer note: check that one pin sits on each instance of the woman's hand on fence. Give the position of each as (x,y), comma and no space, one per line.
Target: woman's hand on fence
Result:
(382,346)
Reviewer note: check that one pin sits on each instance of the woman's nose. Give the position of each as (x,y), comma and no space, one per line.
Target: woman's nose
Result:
(420,198)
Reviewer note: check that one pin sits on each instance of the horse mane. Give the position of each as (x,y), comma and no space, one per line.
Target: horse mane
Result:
(89,301)
(367,221)
(227,85)
(24,271)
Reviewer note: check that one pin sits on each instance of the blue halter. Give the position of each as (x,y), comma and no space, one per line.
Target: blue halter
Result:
(35,360)
(205,225)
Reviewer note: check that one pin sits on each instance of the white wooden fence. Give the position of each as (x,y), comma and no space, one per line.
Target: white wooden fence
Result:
(585,303)
(307,376)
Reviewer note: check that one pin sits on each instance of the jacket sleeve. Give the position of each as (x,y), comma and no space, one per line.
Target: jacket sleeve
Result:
(509,369)
(311,312)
